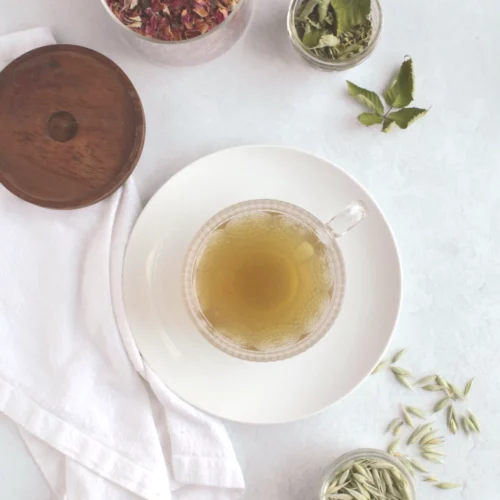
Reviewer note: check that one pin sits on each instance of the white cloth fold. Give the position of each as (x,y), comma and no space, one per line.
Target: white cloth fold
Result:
(96,419)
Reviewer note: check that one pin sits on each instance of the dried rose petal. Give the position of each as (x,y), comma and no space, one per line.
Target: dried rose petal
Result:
(132,22)
(201,11)
(187,19)
(130,4)
(191,34)
(201,27)
(152,26)
(221,15)
(172,20)
(155,6)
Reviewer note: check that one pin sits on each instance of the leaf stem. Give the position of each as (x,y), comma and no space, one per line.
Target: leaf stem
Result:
(391,108)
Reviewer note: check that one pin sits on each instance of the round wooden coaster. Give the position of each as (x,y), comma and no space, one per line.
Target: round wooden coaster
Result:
(71,127)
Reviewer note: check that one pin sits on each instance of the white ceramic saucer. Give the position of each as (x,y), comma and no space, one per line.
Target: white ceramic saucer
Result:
(213,381)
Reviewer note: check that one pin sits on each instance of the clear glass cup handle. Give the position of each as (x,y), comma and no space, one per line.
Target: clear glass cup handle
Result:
(345,220)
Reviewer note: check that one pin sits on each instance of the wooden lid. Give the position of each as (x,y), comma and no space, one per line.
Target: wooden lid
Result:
(71,127)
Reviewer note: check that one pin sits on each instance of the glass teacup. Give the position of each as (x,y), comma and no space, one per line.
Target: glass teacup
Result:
(264,280)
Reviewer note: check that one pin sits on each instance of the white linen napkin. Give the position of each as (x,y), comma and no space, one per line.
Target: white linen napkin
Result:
(69,367)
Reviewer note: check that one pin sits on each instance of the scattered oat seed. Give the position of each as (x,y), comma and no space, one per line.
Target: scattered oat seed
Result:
(431,457)
(417,434)
(397,429)
(416,411)
(448,486)
(434,442)
(418,466)
(474,421)
(441,404)
(426,438)
(466,426)
(457,393)
(403,381)
(431,479)
(407,418)
(451,420)
(432,388)
(430,379)
(399,355)
(468,387)
(397,370)
(394,423)
(380,367)
(393,446)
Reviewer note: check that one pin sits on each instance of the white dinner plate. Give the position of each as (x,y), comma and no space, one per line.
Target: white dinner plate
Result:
(188,364)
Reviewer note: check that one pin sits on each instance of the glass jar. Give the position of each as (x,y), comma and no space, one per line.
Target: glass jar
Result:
(364,453)
(332,64)
(197,50)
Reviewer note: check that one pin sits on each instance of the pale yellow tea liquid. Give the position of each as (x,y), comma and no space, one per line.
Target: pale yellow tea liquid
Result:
(264,281)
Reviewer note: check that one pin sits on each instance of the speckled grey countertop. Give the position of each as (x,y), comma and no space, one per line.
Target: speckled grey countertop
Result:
(437,182)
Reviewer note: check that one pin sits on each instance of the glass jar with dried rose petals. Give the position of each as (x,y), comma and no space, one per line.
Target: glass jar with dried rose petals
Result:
(180,32)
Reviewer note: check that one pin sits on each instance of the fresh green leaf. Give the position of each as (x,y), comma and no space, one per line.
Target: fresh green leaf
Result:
(398,95)
(400,92)
(323,10)
(350,13)
(387,126)
(307,10)
(366,97)
(311,37)
(368,119)
(405,117)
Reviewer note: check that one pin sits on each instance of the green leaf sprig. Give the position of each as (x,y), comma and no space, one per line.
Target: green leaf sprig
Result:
(399,95)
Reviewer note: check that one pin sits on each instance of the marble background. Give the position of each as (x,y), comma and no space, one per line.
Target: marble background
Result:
(438,183)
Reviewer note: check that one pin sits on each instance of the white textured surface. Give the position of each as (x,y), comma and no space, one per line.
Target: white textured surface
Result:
(437,182)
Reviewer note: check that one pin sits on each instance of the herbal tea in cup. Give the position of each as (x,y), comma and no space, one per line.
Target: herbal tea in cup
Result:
(264,279)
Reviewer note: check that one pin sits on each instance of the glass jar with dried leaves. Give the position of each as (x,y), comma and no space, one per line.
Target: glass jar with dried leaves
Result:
(334,35)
